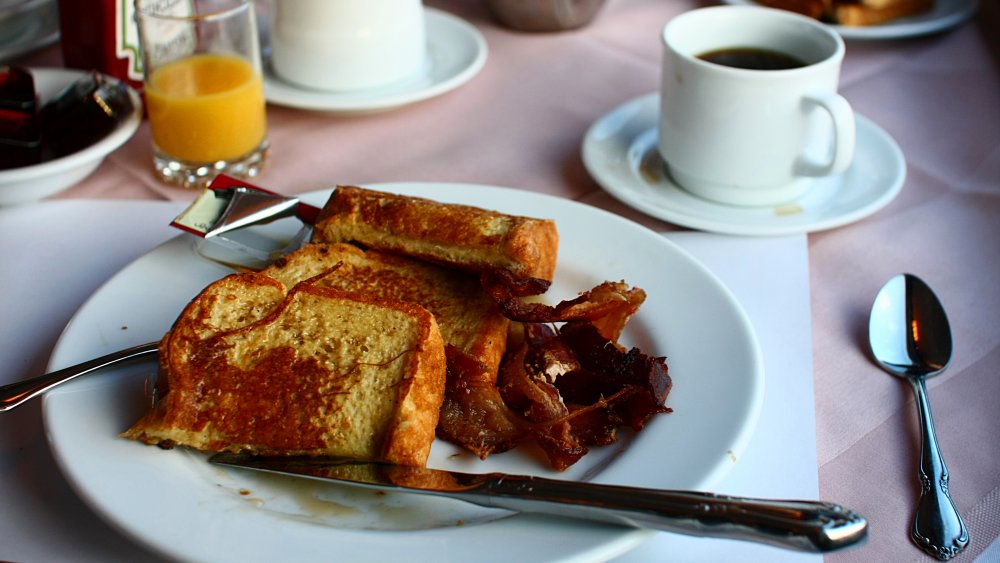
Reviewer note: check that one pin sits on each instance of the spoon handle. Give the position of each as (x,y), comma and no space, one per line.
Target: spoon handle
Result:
(938,527)
(14,394)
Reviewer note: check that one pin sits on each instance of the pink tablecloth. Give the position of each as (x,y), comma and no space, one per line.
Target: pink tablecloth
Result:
(520,122)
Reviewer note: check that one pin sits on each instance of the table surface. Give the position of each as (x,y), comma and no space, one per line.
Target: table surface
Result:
(520,123)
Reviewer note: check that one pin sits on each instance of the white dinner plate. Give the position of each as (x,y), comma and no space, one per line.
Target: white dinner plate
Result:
(27,25)
(620,152)
(456,52)
(177,504)
(945,15)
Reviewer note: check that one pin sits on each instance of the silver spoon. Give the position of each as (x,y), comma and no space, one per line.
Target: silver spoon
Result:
(910,338)
(14,394)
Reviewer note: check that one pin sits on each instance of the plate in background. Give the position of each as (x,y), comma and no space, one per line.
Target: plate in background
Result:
(456,52)
(945,15)
(26,26)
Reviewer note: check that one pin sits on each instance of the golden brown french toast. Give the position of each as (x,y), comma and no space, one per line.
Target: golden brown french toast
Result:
(853,12)
(341,350)
(872,12)
(460,236)
(467,317)
(252,366)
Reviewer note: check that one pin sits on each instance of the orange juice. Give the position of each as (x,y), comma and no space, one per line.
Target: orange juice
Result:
(206,108)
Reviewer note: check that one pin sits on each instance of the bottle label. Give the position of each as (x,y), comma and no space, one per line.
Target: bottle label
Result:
(127,38)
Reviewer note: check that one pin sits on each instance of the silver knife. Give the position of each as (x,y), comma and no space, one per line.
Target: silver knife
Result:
(800,525)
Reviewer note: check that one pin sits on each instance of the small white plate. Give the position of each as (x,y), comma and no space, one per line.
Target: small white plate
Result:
(31,183)
(456,52)
(945,15)
(26,26)
(620,152)
(179,505)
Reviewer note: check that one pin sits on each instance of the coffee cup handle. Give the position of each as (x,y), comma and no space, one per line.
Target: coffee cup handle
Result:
(842,148)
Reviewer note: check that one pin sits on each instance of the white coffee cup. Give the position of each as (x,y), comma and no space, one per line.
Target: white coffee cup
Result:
(343,45)
(752,137)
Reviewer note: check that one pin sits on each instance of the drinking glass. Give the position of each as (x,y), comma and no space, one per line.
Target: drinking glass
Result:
(204,89)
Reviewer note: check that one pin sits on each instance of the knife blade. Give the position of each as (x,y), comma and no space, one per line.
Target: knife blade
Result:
(801,525)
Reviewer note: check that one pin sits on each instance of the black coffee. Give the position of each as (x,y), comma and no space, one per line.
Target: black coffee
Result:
(753,59)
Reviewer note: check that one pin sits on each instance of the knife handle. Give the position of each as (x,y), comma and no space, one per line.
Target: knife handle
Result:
(14,394)
(802,525)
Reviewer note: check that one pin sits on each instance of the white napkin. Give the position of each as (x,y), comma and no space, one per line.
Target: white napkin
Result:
(770,278)
(55,254)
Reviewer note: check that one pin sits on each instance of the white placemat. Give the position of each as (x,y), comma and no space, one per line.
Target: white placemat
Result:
(55,254)
(770,278)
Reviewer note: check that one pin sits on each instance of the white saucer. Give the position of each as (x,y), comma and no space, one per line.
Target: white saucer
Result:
(945,15)
(456,51)
(620,152)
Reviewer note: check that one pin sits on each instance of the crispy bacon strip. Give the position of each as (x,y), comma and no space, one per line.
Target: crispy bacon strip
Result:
(608,305)
(604,364)
(473,414)
(512,286)
(547,355)
(577,387)
(541,404)
(594,424)
(566,389)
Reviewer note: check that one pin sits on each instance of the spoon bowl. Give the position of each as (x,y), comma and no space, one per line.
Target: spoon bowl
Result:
(908,329)
(910,338)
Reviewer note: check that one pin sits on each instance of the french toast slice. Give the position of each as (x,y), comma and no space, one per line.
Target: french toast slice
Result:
(460,236)
(251,366)
(468,318)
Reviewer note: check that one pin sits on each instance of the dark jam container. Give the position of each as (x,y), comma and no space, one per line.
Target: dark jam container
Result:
(83,113)
(20,134)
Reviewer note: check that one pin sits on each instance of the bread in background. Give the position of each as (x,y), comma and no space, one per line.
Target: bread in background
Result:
(810,8)
(853,12)
(873,12)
